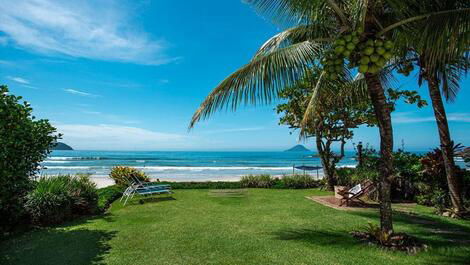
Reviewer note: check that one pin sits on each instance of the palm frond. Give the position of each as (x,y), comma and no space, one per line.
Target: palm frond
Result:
(314,32)
(301,12)
(259,81)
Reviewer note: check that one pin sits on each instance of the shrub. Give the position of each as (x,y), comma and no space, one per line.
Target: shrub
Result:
(83,194)
(108,195)
(257,181)
(122,175)
(58,198)
(24,143)
(49,202)
(299,181)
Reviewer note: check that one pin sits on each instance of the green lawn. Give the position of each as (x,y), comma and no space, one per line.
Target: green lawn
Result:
(262,227)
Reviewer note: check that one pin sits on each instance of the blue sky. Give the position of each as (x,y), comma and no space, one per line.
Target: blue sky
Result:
(128,75)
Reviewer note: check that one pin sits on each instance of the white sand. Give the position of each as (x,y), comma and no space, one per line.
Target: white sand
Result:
(105,181)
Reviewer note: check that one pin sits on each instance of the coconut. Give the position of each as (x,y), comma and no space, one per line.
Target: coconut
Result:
(365,60)
(363,68)
(374,58)
(368,51)
(339,49)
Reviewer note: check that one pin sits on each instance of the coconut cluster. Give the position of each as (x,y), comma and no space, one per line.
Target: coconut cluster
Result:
(343,48)
(374,54)
(369,54)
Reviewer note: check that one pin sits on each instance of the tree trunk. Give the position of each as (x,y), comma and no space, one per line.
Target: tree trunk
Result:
(453,180)
(325,161)
(382,111)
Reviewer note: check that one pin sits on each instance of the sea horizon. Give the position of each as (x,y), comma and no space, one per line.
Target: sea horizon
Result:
(189,165)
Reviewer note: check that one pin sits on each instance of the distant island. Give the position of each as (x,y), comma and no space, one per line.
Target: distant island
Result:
(298,148)
(62,146)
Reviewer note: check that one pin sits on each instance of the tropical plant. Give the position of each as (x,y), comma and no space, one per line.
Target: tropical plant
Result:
(24,143)
(58,198)
(433,188)
(358,32)
(439,47)
(122,175)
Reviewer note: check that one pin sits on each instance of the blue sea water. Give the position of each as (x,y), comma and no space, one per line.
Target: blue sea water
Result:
(184,166)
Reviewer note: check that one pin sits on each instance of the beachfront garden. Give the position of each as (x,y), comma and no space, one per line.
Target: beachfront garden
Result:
(334,70)
(257,226)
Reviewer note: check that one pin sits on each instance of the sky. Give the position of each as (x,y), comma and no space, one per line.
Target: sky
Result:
(128,75)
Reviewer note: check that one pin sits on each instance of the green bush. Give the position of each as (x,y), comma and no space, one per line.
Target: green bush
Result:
(83,194)
(122,175)
(108,195)
(299,181)
(58,198)
(257,181)
(24,143)
(49,202)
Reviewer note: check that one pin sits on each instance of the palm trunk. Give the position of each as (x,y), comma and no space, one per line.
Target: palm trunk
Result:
(382,112)
(453,180)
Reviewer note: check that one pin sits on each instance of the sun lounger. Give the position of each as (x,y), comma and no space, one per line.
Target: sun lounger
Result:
(148,184)
(355,193)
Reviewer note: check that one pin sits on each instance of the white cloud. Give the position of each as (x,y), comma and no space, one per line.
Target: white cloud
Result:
(462,117)
(407,117)
(116,137)
(111,117)
(98,29)
(80,93)
(19,80)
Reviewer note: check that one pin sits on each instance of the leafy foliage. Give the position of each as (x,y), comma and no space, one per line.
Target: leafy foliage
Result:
(124,175)
(433,188)
(24,143)
(296,181)
(257,181)
(340,106)
(108,195)
(56,199)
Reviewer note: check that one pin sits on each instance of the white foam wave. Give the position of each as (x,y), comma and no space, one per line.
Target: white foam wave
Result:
(185,168)
(347,166)
(61,158)
(71,167)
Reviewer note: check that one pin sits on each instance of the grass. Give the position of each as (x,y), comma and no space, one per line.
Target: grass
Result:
(258,227)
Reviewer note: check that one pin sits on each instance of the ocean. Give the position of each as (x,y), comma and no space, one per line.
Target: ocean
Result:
(184,166)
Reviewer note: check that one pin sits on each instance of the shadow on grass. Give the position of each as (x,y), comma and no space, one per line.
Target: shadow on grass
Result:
(149,200)
(449,241)
(444,233)
(57,246)
(329,238)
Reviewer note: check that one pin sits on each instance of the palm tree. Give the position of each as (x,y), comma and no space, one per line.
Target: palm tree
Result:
(440,49)
(283,59)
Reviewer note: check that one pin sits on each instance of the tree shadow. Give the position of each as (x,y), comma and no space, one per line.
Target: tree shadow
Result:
(57,246)
(445,233)
(329,238)
(448,241)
